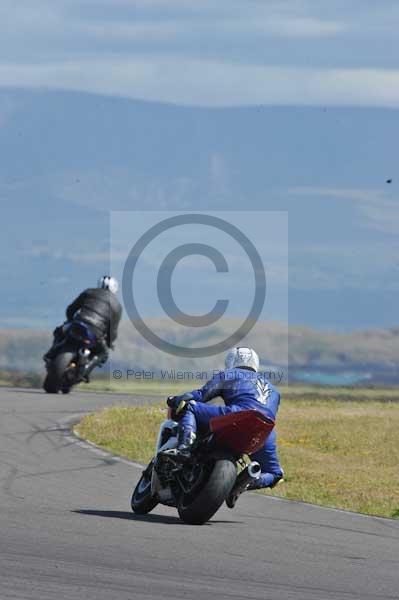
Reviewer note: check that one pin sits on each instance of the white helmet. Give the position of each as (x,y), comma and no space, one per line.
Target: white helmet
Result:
(108,283)
(242,357)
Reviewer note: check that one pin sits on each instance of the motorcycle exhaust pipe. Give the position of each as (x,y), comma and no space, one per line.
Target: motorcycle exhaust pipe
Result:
(248,475)
(254,470)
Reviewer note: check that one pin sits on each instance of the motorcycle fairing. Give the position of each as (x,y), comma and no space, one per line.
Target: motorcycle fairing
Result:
(81,332)
(242,432)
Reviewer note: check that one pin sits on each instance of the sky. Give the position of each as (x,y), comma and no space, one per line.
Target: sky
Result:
(276,52)
(272,105)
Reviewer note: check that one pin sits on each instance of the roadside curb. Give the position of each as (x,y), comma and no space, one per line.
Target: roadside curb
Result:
(65,426)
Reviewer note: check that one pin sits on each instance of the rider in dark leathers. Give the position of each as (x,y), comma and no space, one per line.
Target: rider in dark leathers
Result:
(100,309)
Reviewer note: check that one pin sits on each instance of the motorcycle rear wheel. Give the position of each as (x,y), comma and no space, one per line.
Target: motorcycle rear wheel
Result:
(197,509)
(53,382)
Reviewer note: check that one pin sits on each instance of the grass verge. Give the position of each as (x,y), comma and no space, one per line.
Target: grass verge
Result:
(20,379)
(338,454)
(164,388)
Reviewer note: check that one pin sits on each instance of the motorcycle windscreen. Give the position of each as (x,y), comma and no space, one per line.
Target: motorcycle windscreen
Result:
(242,432)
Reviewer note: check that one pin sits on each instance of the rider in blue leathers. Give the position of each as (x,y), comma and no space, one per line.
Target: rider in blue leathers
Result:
(242,388)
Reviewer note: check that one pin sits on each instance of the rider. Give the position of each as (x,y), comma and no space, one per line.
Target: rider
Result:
(100,309)
(242,388)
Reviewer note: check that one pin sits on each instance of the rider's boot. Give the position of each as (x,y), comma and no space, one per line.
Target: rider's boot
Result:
(185,440)
(277,479)
(243,484)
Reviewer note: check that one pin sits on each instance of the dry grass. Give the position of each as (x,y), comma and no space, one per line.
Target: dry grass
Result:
(344,455)
(335,453)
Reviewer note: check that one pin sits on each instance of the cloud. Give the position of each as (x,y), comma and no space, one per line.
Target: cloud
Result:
(370,263)
(382,213)
(184,29)
(44,250)
(68,23)
(356,266)
(280,52)
(379,209)
(210,83)
(292,27)
(143,31)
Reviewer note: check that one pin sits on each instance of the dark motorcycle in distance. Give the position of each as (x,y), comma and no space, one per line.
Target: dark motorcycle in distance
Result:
(72,355)
(198,487)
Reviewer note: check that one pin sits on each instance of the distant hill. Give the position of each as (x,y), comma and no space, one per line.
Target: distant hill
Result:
(372,352)
(68,159)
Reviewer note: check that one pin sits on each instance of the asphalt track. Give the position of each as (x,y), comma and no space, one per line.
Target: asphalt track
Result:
(66,530)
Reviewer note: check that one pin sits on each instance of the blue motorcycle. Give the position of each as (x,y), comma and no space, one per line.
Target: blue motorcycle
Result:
(71,356)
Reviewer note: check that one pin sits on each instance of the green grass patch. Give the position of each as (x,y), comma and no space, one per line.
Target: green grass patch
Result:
(340,454)
(127,431)
(164,388)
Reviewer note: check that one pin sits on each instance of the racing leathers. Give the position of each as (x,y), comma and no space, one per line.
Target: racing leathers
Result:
(240,389)
(100,309)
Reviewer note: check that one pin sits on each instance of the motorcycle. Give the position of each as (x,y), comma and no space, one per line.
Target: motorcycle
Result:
(198,487)
(73,354)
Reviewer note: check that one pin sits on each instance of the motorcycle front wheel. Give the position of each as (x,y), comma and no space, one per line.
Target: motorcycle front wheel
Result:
(53,382)
(142,501)
(198,507)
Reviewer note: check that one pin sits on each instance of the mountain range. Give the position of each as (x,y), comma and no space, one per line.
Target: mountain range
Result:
(68,159)
(302,354)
